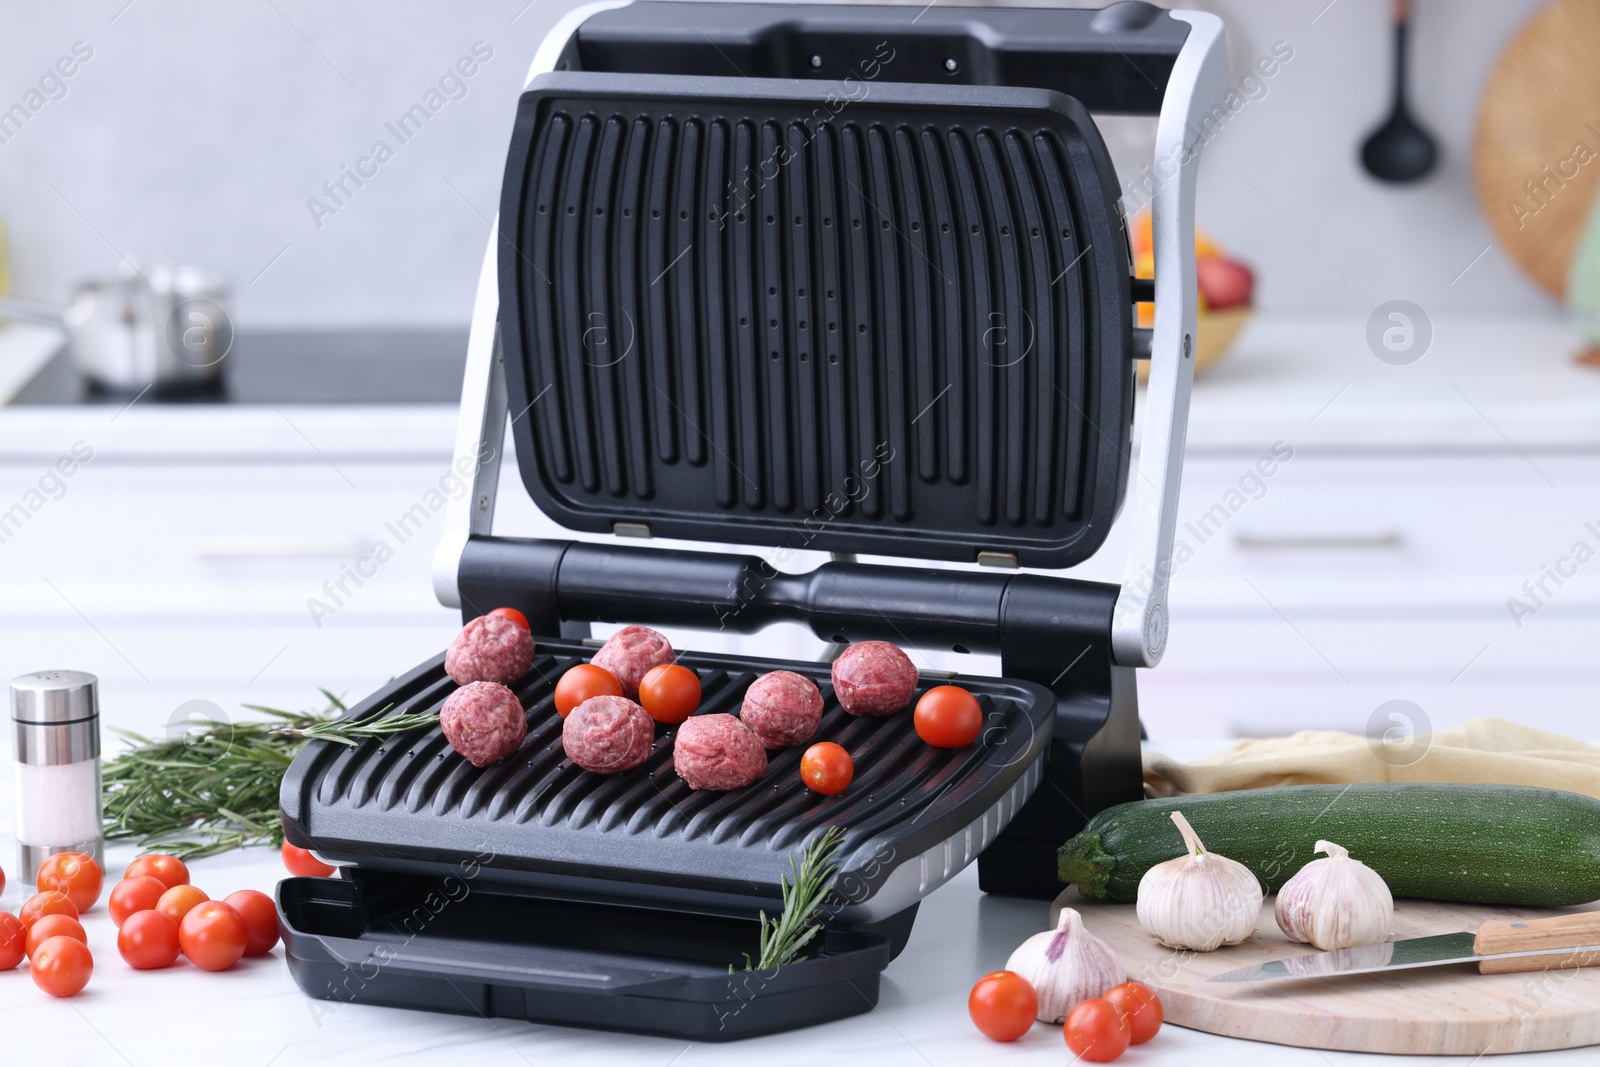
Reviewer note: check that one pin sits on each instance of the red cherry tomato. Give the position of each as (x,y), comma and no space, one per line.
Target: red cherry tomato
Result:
(260,917)
(148,941)
(670,693)
(1096,1031)
(13,941)
(61,966)
(582,682)
(168,870)
(1139,1005)
(2,881)
(140,893)
(74,873)
(213,936)
(47,903)
(301,862)
(178,901)
(948,716)
(826,768)
(54,926)
(1003,1005)
(514,615)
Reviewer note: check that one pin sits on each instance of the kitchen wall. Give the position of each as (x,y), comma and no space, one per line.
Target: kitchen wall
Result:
(205,132)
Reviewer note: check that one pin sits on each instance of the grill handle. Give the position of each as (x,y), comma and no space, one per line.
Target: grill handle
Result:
(1029,619)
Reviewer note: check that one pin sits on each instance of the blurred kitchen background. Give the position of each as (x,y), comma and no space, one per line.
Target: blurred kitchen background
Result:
(1417,493)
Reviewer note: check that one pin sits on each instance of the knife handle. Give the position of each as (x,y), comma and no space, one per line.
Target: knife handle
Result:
(1525,935)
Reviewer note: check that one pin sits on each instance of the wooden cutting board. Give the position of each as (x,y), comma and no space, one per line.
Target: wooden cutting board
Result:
(1431,1011)
(1536,156)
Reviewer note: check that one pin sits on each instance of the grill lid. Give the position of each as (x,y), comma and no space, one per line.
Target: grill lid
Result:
(797,313)
(410,801)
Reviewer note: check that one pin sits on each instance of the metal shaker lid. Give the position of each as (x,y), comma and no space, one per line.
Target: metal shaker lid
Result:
(54,697)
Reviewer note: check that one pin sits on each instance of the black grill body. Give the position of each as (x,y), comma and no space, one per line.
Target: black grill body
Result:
(840,278)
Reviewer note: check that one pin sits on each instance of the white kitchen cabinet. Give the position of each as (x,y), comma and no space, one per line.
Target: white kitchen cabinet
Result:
(1376,564)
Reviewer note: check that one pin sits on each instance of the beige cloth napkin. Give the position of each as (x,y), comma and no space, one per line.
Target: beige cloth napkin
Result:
(1483,751)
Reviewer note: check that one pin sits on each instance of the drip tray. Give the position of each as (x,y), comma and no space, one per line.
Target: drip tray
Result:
(462,945)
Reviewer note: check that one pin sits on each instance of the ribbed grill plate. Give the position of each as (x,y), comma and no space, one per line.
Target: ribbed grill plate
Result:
(411,797)
(755,311)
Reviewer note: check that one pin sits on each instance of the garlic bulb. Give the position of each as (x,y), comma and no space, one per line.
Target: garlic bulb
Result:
(1066,966)
(1199,901)
(1336,902)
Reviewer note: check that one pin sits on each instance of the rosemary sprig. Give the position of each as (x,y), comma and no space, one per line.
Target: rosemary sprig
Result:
(344,732)
(783,937)
(215,787)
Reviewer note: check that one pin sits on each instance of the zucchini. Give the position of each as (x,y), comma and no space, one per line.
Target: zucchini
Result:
(1476,844)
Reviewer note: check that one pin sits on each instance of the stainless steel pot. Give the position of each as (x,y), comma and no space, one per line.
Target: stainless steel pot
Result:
(154,325)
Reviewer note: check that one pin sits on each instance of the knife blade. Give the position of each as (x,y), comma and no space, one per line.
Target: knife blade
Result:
(1436,951)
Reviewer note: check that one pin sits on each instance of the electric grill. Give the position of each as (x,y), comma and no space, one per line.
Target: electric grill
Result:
(849,279)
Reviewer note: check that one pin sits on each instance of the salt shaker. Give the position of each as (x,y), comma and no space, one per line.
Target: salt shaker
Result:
(56,719)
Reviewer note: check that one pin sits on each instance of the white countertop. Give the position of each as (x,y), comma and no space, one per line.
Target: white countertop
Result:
(256,1015)
(1493,383)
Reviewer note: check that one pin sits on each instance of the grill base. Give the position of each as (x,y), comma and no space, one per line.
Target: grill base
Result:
(460,945)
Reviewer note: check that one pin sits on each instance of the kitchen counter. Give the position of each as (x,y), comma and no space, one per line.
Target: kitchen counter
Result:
(255,1014)
(1491,383)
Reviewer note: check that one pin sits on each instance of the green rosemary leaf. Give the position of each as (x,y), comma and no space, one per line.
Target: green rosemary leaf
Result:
(352,733)
(803,896)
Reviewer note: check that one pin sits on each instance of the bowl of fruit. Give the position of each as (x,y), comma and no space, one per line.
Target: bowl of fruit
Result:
(1225,287)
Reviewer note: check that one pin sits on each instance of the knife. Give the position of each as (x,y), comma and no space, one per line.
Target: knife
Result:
(1498,947)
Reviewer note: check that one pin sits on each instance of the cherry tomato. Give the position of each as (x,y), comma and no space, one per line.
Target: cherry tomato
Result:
(670,693)
(54,926)
(514,615)
(1139,1005)
(826,768)
(2,881)
(582,682)
(61,966)
(1003,1005)
(260,917)
(301,862)
(148,941)
(139,893)
(178,901)
(48,903)
(948,716)
(1096,1031)
(168,870)
(74,873)
(213,936)
(13,941)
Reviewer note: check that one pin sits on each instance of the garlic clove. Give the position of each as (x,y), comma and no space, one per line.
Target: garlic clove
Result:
(1335,902)
(1066,966)
(1199,901)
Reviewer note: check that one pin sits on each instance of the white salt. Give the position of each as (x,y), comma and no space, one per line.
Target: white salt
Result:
(58,805)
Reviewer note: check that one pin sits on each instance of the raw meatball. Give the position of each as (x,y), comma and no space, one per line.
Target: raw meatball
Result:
(873,678)
(630,653)
(607,734)
(484,721)
(783,708)
(717,752)
(489,649)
